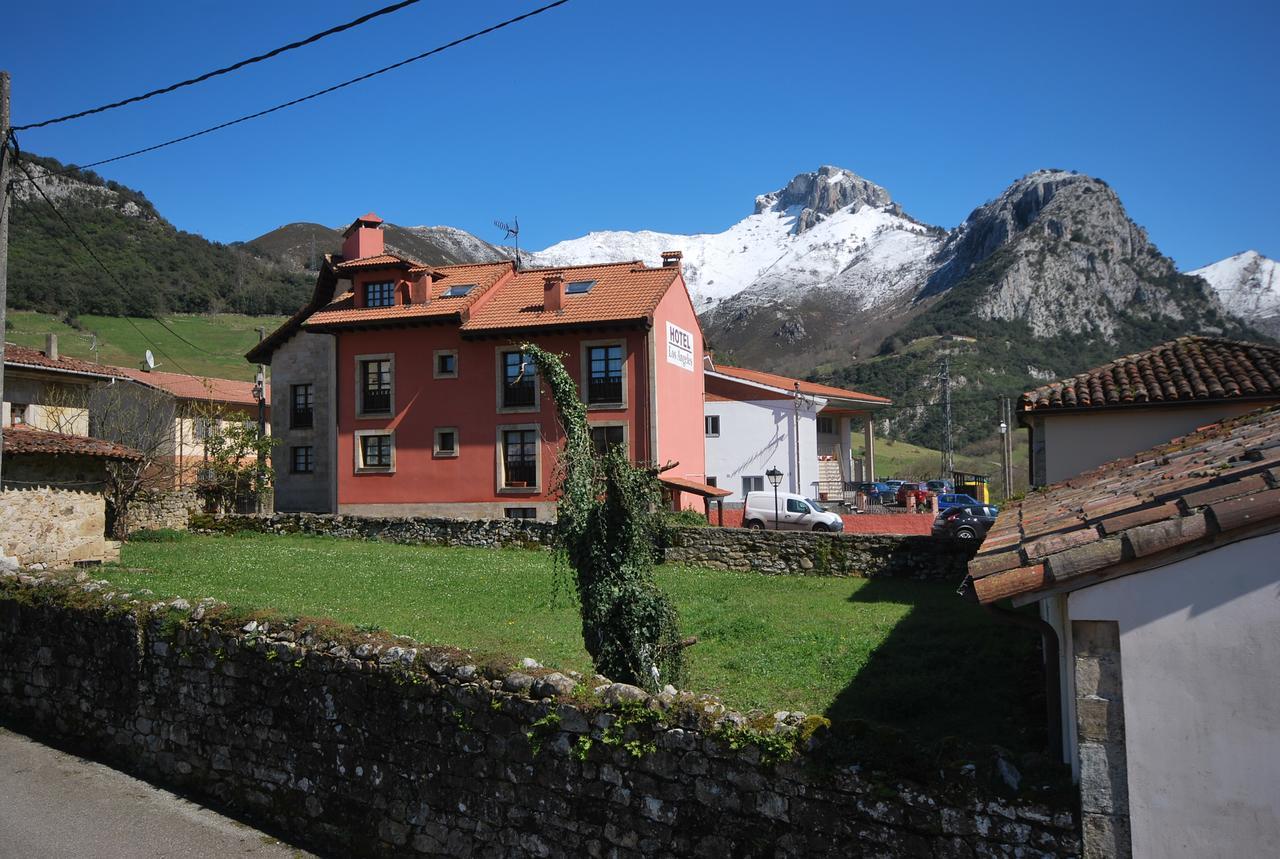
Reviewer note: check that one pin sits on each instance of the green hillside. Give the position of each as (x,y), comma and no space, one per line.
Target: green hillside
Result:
(226,336)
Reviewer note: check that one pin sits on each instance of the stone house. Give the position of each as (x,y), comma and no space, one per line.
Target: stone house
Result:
(1160,597)
(52,511)
(1141,400)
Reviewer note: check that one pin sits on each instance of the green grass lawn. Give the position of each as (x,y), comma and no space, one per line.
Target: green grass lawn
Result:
(908,654)
(225,337)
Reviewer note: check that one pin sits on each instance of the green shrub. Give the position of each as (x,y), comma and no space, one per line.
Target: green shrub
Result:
(157,535)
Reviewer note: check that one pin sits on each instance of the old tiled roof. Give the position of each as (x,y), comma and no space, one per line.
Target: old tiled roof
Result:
(685,484)
(382,261)
(24,440)
(343,312)
(813,389)
(1188,369)
(1184,496)
(207,388)
(326,283)
(623,292)
(21,356)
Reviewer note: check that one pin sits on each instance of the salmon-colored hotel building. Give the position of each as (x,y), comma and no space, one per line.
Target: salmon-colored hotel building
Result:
(400,389)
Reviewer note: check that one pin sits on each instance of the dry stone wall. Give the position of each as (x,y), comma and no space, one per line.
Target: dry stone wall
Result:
(380,747)
(172,510)
(43,526)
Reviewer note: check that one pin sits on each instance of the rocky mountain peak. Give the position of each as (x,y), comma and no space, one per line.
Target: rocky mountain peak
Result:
(822,193)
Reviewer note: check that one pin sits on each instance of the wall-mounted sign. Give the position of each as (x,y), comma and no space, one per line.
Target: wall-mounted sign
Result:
(679,347)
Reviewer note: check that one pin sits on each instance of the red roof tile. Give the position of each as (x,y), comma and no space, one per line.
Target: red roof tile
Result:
(21,356)
(28,441)
(207,388)
(1189,369)
(1183,495)
(343,312)
(760,377)
(382,261)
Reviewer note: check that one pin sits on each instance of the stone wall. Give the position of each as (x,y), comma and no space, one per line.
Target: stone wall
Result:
(172,510)
(482,533)
(41,526)
(1104,772)
(370,746)
(808,553)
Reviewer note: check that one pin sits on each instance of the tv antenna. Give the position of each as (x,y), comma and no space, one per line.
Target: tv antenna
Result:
(513,232)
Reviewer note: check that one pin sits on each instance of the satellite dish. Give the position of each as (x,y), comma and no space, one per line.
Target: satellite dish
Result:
(150,359)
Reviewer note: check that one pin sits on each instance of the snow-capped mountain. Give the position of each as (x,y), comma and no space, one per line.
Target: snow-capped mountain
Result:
(1248,285)
(830,228)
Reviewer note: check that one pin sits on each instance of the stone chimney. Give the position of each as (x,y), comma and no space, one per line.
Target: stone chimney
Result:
(51,346)
(363,238)
(553,292)
(671,258)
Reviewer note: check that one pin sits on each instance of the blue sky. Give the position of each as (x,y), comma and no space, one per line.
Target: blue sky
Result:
(669,115)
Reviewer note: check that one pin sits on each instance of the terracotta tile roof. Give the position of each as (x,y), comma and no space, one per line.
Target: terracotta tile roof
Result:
(326,282)
(24,440)
(208,388)
(1186,495)
(684,484)
(342,310)
(1188,369)
(623,292)
(21,356)
(382,261)
(814,389)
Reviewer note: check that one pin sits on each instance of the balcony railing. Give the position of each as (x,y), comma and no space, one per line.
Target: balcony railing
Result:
(519,395)
(301,418)
(375,400)
(604,389)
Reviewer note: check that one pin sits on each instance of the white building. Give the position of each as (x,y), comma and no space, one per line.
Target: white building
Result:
(755,421)
(1160,596)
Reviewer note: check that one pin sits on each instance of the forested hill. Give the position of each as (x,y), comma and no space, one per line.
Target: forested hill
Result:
(157,268)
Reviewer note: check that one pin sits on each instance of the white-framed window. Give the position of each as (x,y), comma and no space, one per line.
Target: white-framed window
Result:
(458,290)
(752,484)
(375,451)
(444,364)
(604,373)
(375,385)
(446,442)
(711,424)
(517,382)
(826,425)
(519,458)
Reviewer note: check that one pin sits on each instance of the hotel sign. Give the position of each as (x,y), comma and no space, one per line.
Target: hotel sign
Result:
(679,347)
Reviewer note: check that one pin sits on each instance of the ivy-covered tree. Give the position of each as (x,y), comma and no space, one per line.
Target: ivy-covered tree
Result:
(607,528)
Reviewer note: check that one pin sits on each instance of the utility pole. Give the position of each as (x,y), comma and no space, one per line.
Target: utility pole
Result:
(260,391)
(1005,429)
(4,227)
(948,457)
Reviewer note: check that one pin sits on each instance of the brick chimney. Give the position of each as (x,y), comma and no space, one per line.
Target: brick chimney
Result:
(51,346)
(363,238)
(672,258)
(553,292)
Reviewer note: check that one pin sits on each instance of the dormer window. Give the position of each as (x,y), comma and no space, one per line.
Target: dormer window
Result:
(578,287)
(380,294)
(459,290)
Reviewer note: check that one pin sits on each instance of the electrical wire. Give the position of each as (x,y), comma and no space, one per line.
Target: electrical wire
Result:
(326,91)
(231,68)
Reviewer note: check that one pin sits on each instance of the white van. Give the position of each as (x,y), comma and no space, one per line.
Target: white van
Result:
(795,513)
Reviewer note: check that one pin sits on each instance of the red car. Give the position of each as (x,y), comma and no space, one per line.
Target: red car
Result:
(912,495)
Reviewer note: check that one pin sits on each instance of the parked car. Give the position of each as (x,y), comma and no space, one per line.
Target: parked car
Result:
(795,513)
(893,483)
(911,494)
(940,486)
(969,522)
(947,500)
(877,493)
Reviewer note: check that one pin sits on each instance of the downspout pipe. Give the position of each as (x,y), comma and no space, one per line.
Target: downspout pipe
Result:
(1052,670)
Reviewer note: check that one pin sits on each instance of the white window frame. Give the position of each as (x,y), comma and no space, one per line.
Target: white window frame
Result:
(359,386)
(585,359)
(500,377)
(435,443)
(358,458)
(500,471)
(435,364)
(706,426)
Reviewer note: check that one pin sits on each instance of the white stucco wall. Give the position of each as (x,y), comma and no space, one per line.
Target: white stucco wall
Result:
(1200,660)
(1075,443)
(758,435)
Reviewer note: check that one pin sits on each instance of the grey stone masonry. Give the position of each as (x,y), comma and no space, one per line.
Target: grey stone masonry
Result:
(812,554)
(362,744)
(1104,775)
(482,533)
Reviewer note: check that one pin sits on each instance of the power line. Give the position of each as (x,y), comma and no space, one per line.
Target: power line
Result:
(326,91)
(231,68)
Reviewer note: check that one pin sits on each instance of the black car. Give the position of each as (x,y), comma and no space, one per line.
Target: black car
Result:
(970,522)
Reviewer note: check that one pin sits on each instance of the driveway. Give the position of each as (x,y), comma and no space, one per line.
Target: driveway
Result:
(56,805)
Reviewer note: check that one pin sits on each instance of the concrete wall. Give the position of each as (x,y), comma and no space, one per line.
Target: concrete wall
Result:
(359,745)
(1075,443)
(1199,645)
(758,435)
(306,357)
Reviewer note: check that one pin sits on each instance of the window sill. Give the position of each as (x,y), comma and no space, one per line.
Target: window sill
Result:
(438,454)
(373,416)
(381,469)
(614,407)
(520,490)
(519,410)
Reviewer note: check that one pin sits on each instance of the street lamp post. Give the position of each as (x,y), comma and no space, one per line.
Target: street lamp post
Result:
(775,478)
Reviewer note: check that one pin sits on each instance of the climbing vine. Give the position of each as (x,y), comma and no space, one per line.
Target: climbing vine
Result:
(607,532)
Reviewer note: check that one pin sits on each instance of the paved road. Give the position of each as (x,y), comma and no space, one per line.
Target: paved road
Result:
(55,805)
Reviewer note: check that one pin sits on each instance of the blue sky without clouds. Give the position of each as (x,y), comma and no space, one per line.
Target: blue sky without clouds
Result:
(669,115)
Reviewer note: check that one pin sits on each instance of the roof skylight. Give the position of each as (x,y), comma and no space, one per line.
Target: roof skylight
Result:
(458,290)
(577,287)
